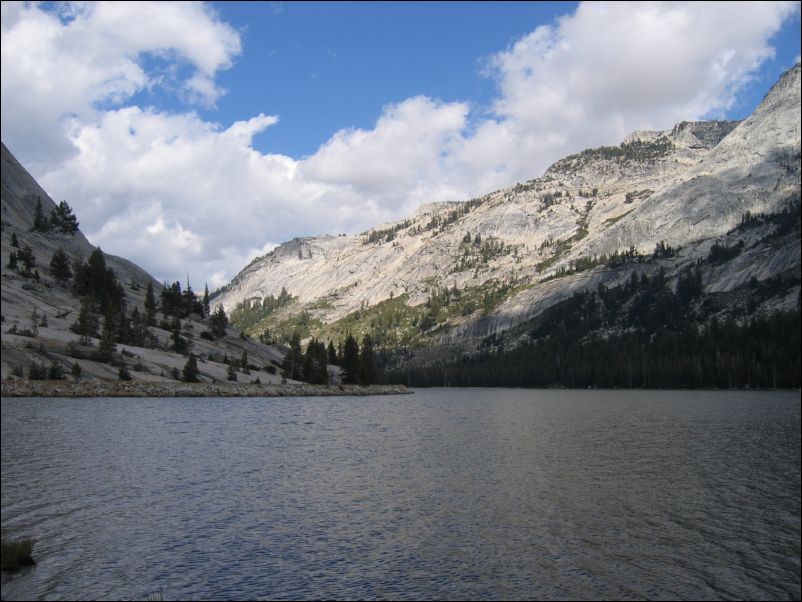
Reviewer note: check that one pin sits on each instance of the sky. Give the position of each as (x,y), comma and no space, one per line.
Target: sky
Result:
(192,137)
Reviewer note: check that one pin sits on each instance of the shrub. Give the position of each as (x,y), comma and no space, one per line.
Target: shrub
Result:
(191,372)
(37,372)
(55,372)
(16,554)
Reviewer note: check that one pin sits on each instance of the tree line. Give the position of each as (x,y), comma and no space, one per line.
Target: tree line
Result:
(639,334)
(358,364)
(61,219)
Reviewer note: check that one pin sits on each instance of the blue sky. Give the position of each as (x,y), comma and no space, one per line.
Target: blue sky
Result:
(306,61)
(194,136)
(327,80)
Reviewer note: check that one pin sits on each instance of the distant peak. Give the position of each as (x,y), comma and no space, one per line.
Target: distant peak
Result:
(789,82)
(688,134)
(433,207)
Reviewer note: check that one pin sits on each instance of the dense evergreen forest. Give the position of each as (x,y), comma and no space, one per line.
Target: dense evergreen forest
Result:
(646,333)
(640,334)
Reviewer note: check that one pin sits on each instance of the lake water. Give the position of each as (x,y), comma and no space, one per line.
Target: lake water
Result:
(449,493)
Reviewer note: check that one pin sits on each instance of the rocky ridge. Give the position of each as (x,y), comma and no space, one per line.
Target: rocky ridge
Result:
(687,187)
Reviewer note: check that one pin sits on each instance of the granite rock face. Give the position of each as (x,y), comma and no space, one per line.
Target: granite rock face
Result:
(688,187)
(57,308)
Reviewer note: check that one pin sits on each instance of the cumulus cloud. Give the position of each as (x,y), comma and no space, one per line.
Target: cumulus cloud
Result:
(179,194)
(60,68)
(406,153)
(611,68)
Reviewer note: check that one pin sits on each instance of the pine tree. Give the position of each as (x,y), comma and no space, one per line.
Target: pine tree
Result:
(231,373)
(314,363)
(244,363)
(40,222)
(367,362)
(179,342)
(150,305)
(191,371)
(172,300)
(60,266)
(87,322)
(206,310)
(63,219)
(219,322)
(309,370)
(96,280)
(124,332)
(107,346)
(55,372)
(350,361)
(137,335)
(293,360)
(27,258)
(14,240)
(190,303)
(321,360)
(332,354)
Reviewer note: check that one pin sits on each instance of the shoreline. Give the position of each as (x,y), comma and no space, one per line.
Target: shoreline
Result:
(99,388)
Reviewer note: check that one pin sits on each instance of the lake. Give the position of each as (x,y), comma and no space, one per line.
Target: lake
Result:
(447,493)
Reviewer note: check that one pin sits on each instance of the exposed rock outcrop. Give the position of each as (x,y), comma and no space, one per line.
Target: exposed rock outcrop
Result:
(51,342)
(687,186)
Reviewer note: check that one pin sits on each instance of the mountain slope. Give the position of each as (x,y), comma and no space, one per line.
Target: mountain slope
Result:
(38,310)
(517,251)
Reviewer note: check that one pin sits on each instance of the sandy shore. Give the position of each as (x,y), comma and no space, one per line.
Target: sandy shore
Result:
(97,388)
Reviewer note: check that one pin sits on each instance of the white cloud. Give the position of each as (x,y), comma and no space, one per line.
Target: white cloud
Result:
(405,154)
(178,194)
(58,67)
(611,68)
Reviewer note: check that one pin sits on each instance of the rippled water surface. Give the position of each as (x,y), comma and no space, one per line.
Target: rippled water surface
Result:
(501,494)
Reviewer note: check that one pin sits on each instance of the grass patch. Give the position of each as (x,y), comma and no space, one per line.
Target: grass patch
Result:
(321,304)
(486,297)
(390,323)
(561,248)
(282,328)
(614,220)
(16,554)
(393,323)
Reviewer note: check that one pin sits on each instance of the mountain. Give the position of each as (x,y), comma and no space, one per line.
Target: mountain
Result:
(40,311)
(682,243)
(454,275)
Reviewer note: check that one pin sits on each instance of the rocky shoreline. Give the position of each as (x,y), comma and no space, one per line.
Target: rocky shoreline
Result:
(99,388)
